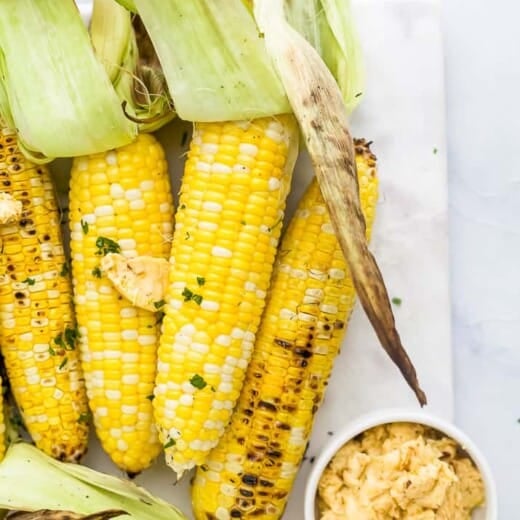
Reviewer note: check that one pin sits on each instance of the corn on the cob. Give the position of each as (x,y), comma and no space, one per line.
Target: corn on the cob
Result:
(227,226)
(37,330)
(251,471)
(2,421)
(120,201)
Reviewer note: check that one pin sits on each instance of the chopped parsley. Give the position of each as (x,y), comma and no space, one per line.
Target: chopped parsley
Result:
(67,339)
(190,295)
(198,382)
(187,235)
(169,444)
(160,317)
(96,272)
(52,352)
(106,245)
(359,94)
(84,418)
(150,397)
(182,206)
(84,226)
(397,301)
(63,363)
(201,280)
(29,281)
(65,269)
(435,151)
(159,304)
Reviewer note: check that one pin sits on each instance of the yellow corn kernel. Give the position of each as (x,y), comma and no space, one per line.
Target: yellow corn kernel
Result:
(38,335)
(121,202)
(227,226)
(250,473)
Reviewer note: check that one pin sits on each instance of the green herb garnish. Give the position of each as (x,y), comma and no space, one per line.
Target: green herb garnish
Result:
(190,295)
(169,444)
(84,226)
(84,418)
(67,339)
(198,382)
(65,269)
(106,245)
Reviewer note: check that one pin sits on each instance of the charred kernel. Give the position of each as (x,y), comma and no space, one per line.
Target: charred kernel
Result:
(304,353)
(246,492)
(250,480)
(283,343)
(267,406)
(235,513)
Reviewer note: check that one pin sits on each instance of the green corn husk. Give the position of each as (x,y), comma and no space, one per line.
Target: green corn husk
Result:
(122,46)
(215,62)
(54,91)
(328,25)
(32,481)
(47,514)
(213,58)
(128,4)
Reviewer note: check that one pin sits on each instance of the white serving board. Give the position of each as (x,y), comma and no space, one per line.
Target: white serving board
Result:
(403,113)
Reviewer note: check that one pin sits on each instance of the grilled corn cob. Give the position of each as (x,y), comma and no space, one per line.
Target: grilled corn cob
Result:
(2,421)
(120,201)
(251,471)
(227,226)
(37,330)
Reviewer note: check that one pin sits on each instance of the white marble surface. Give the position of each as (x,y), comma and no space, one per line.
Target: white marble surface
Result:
(482,55)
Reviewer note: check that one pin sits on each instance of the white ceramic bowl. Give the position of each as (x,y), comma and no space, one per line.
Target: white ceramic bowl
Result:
(365,422)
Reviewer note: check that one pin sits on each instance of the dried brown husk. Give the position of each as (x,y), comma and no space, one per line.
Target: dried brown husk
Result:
(317,104)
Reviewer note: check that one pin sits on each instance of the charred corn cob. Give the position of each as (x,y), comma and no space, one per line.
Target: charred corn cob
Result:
(227,226)
(38,334)
(2,421)
(251,471)
(120,202)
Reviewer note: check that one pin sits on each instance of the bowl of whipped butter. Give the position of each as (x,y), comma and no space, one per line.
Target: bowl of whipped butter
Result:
(400,464)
